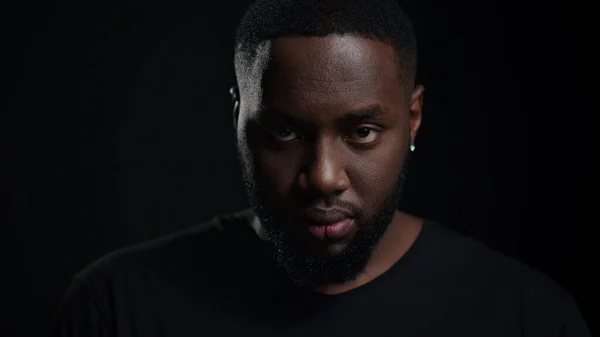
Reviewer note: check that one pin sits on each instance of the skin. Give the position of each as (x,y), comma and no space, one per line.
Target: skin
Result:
(296,133)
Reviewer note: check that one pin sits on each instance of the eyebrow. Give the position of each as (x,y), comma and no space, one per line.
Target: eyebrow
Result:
(375,111)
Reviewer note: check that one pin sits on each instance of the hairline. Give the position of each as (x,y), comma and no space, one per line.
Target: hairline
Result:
(405,72)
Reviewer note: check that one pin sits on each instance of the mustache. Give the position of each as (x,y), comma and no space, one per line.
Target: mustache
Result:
(336,204)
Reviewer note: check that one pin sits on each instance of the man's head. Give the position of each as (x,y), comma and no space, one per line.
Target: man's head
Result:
(325,114)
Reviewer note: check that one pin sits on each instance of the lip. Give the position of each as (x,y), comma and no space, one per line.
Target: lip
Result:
(328,223)
(335,230)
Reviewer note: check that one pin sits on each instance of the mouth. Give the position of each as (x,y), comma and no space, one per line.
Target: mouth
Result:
(329,224)
(336,230)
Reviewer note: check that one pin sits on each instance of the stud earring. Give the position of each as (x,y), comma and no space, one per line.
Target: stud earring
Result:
(412,148)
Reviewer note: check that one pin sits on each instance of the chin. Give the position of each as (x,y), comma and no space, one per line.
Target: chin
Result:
(336,248)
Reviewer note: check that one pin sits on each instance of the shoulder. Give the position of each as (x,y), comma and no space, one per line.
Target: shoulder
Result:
(476,260)
(542,303)
(199,236)
(210,242)
(134,276)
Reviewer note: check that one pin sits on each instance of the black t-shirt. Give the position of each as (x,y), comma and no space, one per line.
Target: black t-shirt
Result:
(218,279)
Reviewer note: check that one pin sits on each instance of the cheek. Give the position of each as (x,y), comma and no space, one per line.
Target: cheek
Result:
(277,172)
(274,170)
(374,176)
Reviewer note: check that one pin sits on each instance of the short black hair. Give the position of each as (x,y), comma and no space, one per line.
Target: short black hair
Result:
(383,20)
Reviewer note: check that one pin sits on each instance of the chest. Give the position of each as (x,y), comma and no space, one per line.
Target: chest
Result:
(465,310)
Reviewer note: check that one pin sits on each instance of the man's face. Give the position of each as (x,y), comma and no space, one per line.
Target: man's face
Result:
(323,135)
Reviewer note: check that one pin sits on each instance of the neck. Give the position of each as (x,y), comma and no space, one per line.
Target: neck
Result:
(398,238)
(395,242)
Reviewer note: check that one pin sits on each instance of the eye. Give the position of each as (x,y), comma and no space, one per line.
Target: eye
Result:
(284,134)
(364,135)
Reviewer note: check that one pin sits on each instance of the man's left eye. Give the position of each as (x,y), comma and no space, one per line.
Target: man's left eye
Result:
(364,135)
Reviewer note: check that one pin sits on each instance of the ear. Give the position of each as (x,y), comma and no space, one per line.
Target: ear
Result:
(415,111)
(235,99)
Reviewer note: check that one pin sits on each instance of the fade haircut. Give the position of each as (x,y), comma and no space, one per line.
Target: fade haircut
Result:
(381,20)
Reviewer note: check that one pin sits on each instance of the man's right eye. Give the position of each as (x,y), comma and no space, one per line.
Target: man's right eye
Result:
(283,134)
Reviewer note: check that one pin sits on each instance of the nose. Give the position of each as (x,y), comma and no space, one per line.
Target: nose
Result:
(324,171)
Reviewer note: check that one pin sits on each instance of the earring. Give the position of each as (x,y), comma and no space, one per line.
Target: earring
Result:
(412,148)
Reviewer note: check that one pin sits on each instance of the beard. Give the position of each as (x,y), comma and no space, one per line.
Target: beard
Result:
(313,269)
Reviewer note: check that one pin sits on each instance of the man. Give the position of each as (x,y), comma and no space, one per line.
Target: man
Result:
(326,111)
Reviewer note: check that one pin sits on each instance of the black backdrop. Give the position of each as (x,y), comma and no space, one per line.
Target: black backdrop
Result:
(118,129)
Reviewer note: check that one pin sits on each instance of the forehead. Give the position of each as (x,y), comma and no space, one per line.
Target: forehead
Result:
(316,61)
(328,72)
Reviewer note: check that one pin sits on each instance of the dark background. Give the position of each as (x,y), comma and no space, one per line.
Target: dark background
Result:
(117,129)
